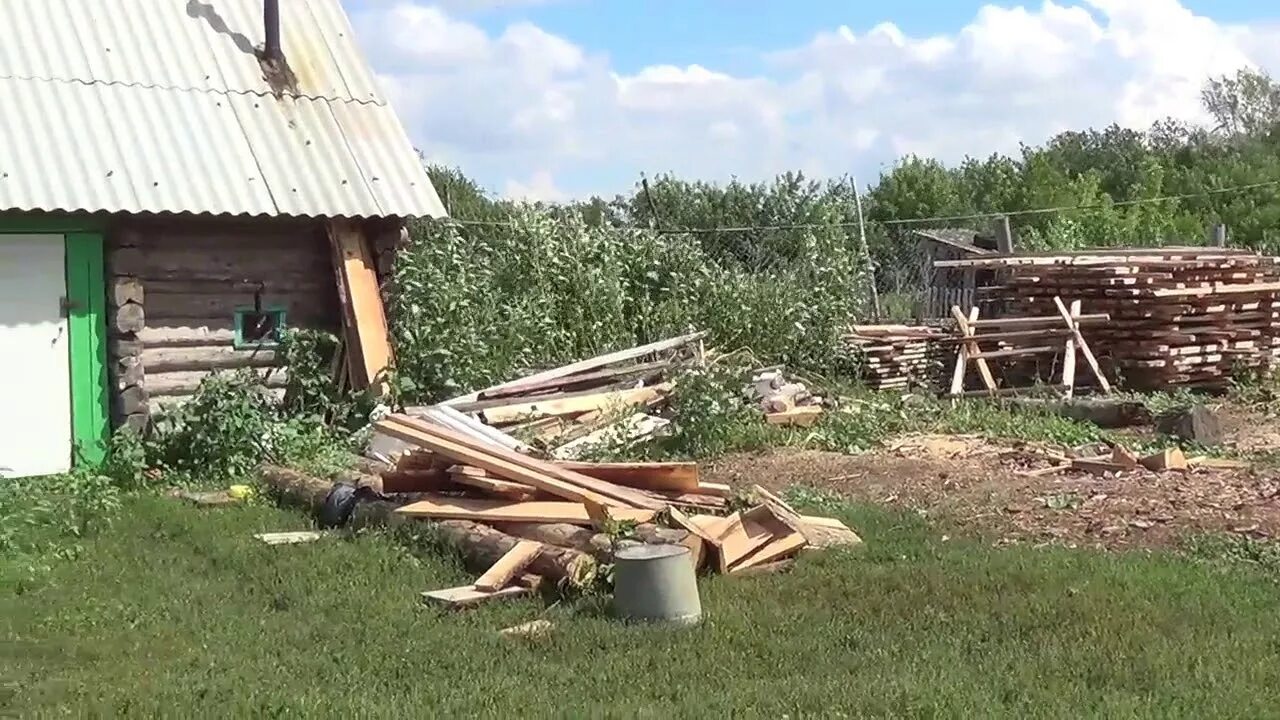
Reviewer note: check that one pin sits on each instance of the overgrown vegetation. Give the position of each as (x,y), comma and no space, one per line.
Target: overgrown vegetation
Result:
(779,267)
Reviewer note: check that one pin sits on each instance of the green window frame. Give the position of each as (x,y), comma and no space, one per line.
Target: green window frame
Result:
(86,293)
(243,312)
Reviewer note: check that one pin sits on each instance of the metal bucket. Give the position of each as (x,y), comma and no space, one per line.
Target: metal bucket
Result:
(656,583)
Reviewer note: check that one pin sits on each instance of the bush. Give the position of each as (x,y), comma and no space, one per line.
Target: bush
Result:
(477,305)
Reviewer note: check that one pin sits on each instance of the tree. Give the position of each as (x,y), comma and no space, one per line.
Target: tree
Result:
(1245,105)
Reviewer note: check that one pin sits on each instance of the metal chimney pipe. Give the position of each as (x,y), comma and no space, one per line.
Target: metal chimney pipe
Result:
(271,22)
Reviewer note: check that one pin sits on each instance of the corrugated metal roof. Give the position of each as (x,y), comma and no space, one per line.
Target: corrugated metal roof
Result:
(151,106)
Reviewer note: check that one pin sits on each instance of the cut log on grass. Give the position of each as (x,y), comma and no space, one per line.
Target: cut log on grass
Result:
(1106,413)
(489,510)
(480,546)
(678,476)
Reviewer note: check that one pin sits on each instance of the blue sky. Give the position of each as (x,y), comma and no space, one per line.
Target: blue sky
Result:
(562,98)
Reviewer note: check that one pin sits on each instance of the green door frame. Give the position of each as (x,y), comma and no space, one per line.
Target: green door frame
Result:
(87,327)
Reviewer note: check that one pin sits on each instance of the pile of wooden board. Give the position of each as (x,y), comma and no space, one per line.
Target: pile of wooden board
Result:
(899,357)
(572,408)
(1179,316)
(563,509)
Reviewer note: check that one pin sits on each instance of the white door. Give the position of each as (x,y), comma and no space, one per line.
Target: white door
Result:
(35,371)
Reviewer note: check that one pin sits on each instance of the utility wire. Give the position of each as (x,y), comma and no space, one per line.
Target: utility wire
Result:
(936,219)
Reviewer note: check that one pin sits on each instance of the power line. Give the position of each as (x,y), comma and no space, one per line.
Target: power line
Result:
(924,220)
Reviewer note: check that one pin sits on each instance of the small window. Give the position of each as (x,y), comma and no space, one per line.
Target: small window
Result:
(258,327)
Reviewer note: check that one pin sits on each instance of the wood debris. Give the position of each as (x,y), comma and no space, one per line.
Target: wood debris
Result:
(1179,316)
(784,402)
(289,538)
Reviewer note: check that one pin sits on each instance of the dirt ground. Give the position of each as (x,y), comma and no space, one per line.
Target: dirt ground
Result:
(979,487)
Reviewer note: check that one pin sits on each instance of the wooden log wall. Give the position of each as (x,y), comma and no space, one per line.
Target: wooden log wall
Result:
(175,285)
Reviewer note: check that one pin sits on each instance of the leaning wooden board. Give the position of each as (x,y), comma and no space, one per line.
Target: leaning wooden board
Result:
(364,318)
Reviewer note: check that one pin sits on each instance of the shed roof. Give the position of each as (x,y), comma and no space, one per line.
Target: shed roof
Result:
(162,106)
(960,239)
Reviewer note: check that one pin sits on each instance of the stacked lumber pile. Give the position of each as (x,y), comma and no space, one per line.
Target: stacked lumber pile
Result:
(572,408)
(1179,316)
(566,514)
(899,357)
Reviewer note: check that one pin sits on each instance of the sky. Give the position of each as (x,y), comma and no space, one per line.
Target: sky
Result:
(560,99)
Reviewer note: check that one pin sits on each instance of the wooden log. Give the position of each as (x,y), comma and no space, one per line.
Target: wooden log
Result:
(128,372)
(600,545)
(129,318)
(211,357)
(133,400)
(185,382)
(125,290)
(1105,413)
(302,308)
(479,545)
(189,332)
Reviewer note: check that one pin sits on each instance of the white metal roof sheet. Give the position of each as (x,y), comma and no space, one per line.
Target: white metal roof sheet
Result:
(144,106)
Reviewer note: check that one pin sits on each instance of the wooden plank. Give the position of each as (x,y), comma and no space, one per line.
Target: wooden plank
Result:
(720,490)
(1016,352)
(537,409)
(1047,322)
(444,507)
(598,376)
(290,538)
(468,596)
(364,318)
(514,466)
(1069,353)
(741,534)
(673,476)
(819,532)
(508,566)
(1167,459)
(806,416)
(972,347)
(776,549)
(601,361)
(1082,345)
(1216,290)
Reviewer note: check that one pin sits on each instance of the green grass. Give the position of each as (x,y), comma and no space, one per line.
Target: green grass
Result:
(175,611)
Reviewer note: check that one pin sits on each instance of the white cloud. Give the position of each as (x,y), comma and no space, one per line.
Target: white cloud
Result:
(540,186)
(529,112)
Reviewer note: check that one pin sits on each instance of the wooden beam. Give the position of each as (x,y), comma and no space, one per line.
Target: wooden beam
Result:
(673,476)
(508,566)
(364,318)
(1015,352)
(972,347)
(445,507)
(1082,345)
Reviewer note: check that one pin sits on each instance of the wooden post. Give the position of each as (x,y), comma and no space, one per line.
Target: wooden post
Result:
(1004,236)
(1218,235)
(866,251)
(364,319)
